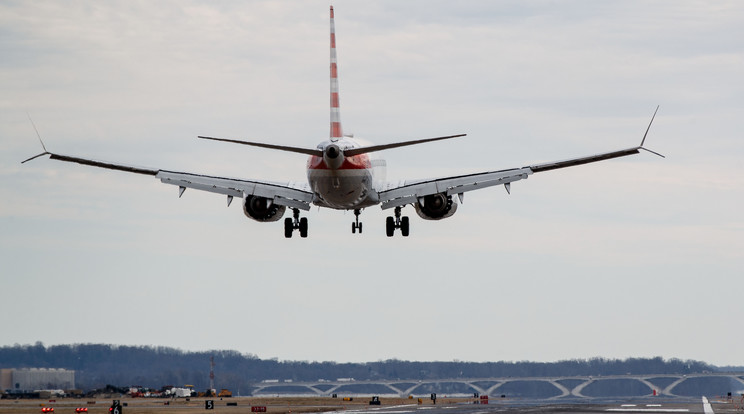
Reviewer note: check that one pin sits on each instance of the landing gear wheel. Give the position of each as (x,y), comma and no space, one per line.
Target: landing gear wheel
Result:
(288,227)
(356,224)
(404,226)
(390,226)
(398,222)
(295,222)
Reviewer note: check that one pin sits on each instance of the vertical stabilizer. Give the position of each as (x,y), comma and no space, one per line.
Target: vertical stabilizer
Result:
(336,132)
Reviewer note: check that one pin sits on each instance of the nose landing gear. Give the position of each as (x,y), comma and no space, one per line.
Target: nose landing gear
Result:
(295,222)
(398,222)
(356,224)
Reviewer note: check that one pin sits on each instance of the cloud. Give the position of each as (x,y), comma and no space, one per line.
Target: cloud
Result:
(602,246)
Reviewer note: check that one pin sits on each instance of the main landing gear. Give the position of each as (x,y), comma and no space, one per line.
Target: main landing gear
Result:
(356,224)
(398,222)
(290,224)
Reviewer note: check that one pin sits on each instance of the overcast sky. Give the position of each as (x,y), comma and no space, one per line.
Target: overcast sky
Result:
(634,257)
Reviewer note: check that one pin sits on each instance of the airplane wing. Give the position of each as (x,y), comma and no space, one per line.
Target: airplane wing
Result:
(281,194)
(412,191)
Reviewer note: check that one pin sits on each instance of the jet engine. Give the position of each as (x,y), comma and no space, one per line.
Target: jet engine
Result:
(435,206)
(262,209)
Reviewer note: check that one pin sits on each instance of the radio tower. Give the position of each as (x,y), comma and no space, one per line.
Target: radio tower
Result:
(211,373)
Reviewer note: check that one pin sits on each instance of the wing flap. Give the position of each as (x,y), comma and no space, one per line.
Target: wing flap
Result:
(291,203)
(410,193)
(280,194)
(203,187)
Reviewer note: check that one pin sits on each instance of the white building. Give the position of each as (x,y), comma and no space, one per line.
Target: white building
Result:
(30,379)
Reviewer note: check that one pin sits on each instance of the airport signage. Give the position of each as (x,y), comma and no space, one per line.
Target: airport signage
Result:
(116,408)
(209,405)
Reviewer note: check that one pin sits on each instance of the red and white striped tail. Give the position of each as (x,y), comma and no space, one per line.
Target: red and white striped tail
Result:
(336,131)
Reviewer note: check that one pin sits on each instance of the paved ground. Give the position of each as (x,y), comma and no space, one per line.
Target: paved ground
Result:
(287,405)
(545,407)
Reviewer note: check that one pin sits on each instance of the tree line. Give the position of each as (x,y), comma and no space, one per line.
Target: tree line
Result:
(97,365)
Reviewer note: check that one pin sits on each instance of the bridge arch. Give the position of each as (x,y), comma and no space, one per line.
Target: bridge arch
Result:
(546,387)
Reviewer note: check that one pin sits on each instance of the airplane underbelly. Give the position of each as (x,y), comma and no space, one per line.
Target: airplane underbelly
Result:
(342,189)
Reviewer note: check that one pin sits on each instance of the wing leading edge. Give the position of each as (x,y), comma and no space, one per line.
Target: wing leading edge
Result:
(281,194)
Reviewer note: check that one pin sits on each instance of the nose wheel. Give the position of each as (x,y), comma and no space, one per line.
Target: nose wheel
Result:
(356,225)
(295,222)
(397,222)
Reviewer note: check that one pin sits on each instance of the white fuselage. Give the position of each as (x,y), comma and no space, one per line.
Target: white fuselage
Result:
(344,183)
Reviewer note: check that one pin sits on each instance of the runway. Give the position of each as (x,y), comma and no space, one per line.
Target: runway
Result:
(360,405)
(701,406)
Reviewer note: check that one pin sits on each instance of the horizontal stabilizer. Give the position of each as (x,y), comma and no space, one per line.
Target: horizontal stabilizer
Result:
(307,151)
(347,152)
(373,148)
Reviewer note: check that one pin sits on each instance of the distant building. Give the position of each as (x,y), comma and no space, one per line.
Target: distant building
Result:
(30,379)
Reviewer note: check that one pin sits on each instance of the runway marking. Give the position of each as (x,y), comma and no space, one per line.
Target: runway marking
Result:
(653,405)
(628,405)
(707,407)
(387,410)
(383,410)
(649,410)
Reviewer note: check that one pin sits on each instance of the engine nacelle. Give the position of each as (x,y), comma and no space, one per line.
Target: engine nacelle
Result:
(262,209)
(436,206)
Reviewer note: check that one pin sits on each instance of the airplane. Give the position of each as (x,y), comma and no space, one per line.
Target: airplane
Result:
(342,175)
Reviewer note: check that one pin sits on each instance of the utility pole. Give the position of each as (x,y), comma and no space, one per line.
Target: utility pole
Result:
(211,373)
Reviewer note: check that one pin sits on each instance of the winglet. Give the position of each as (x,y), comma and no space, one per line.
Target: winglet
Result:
(36,156)
(37,131)
(649,125)
(42,142)
(308,151)
(644,135)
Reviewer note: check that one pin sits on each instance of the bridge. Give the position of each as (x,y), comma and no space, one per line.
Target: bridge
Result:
(584,387)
